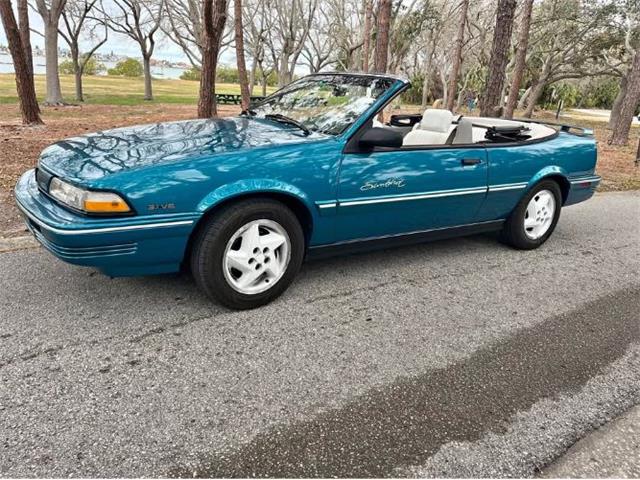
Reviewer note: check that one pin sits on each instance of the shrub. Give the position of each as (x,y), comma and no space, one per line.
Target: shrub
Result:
(192,74)
(92,67)
(127,68)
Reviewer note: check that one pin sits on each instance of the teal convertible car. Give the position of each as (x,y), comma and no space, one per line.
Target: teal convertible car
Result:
(309,170)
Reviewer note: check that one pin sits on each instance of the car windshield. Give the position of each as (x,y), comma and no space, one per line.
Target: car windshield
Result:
(323,103)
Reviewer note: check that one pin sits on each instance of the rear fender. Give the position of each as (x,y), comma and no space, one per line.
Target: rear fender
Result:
(553,172)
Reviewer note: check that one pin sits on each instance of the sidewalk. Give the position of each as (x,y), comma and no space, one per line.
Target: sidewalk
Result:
(611,451)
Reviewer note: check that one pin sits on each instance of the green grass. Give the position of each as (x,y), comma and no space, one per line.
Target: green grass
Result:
(105,90)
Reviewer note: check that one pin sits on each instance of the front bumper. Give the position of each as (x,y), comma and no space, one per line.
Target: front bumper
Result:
(140,245)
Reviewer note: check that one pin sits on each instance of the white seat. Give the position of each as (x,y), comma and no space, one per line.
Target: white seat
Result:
(464,132)
(434,128)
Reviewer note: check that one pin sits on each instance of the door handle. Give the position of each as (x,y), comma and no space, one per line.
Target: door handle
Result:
(470,161)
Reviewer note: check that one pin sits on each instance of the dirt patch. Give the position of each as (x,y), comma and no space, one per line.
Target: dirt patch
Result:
(20,146)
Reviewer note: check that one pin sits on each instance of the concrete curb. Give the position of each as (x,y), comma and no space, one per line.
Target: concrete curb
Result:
(610,451)
(18,243)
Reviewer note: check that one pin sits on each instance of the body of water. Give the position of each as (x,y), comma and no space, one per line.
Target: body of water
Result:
(6,66)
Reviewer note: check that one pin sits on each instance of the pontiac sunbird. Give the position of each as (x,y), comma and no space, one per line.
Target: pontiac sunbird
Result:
(311,169)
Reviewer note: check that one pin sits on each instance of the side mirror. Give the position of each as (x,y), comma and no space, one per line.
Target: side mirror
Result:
(380,137)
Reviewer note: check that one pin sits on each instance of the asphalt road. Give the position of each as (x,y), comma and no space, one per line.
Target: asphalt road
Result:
(455,358)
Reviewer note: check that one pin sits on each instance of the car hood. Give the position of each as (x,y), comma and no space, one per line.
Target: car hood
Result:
(96,155)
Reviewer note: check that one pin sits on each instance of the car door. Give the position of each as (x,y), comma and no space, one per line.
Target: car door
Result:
(409,189)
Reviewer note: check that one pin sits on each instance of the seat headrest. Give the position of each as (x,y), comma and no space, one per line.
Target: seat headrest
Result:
(464,132)
(436,120)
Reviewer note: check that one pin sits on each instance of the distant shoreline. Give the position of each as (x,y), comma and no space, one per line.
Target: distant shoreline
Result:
(158,70)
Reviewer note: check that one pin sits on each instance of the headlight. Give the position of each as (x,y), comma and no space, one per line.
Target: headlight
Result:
(86,200)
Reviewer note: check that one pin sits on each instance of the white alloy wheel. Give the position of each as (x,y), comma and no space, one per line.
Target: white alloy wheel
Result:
(256,256)
(539,214)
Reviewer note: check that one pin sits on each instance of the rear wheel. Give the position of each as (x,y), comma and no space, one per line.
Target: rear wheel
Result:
(535,217)
(248,254)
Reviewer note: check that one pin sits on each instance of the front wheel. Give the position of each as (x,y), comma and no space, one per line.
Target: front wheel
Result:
(535,217)
(248,254)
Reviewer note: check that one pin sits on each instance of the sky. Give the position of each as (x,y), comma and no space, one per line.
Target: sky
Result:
(119,44)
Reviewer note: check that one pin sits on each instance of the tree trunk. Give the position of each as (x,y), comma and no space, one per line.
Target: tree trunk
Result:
(617,103)
(425,90)
(534,96)
(78,78)
(523,100)
(283,68)
(148,88)
(54,93)
(252,76)
(382,36)
(242,66)
(491,101)
(443,81)
(521,60)
(214,17)
(620,135)
(366,34)
(457,56)
(25,33)
(77,72)
(426,82)
(24,82)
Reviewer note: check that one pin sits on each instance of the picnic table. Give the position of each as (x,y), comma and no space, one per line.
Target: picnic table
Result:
(232,99)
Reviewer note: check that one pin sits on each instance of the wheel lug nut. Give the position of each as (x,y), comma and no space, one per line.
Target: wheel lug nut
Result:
(266,250)
(256,250)
(251,260)
(258,267)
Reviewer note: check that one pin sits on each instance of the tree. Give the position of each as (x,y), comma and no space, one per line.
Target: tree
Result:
(620,135)
(75,15)
(491,100)
(25,33)
(335,36)
(521,59)
(626,24)
(50,11)
(568,43)
(457,55)
(25,37)
(293,20)
(257,23)
(139,20)
(214,17)
(366,34)
(242,66)
(382,36)
(24,84)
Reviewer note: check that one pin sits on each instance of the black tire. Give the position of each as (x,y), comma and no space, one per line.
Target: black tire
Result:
(211,241)
(513,232)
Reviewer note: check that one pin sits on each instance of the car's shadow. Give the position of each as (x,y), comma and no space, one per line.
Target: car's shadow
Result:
(320,270)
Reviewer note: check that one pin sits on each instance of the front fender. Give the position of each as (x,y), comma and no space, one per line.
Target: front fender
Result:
(253,186)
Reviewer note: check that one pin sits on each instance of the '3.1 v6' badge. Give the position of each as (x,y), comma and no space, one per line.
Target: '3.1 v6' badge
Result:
(161,206)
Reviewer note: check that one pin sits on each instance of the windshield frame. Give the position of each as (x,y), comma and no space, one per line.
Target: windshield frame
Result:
(397,84)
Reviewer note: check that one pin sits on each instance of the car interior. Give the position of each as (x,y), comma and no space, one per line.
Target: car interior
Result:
(441,127)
